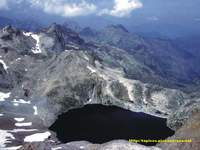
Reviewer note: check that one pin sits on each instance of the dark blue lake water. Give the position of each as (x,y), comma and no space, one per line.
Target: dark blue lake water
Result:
(100,124)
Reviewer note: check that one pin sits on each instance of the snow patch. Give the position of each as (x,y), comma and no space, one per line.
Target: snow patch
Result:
(144,96)
(23,130)
(5,138)
(18,59)
(36,37)
(21,101)
(19,119)
(13,148)
(38,137)
(16,104)
(82,147)
(90,100)
(25,124)
(36,49)
(4,64)
(35,110)
(86,57)
(56,148)
(91,69)
(4,96)
(27,33)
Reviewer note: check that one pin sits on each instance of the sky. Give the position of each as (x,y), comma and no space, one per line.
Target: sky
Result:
(72,8)
(114,8)
(131,13)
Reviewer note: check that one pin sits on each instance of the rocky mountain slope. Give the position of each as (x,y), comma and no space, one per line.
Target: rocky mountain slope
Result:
(162,56)
(187,125)
(50,72)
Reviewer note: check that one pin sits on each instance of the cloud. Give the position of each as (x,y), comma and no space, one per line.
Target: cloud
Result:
(122,8)
(3,4)
(65,8)
(72,8)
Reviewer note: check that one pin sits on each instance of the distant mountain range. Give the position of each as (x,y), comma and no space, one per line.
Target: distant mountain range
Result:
(28,25)
(163,56)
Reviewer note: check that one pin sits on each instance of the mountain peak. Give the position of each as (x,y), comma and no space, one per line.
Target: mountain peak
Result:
(9,32)
(119,27)
(9,29)
(54,28)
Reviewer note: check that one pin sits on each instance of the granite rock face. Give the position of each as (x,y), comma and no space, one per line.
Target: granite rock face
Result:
(12,39)
(57,38)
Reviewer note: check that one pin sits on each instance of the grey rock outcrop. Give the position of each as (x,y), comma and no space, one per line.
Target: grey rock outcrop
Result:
(57,38)
(12,39)
(179,118)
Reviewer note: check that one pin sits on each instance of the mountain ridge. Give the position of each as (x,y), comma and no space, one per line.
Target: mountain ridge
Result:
(160,55)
